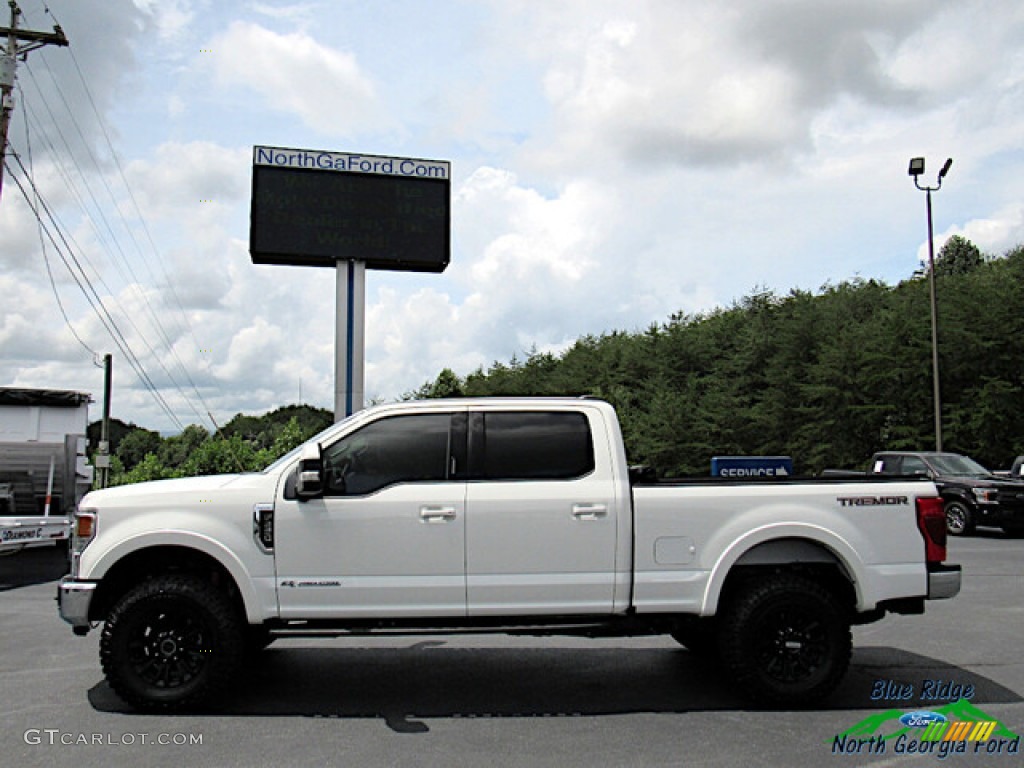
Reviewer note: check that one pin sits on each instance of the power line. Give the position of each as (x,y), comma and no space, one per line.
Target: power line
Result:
(154,317)
(91,296)
(133,281)
(69,255)
(46,259)
(98,276)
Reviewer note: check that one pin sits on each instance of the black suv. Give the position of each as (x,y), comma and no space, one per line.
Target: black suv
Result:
(972,495)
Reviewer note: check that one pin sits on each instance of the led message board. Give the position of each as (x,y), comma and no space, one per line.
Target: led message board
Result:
(315,208)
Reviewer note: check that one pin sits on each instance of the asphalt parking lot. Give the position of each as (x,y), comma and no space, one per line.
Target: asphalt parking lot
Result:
(498,701)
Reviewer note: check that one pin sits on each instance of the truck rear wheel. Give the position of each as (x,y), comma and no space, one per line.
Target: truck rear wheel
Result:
(785,640)
(171,643)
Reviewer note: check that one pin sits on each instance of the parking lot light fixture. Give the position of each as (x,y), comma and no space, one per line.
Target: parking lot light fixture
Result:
(916,169)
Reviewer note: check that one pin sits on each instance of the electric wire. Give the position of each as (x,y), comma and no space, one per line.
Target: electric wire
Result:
(93,299)
(91,296)
(134,281)
(168,284)
(117,249)
(46,258)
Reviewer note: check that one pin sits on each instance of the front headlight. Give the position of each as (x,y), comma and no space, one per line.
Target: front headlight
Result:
(986,495)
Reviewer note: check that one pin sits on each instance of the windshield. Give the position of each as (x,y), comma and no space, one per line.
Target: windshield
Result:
(952,464)
(294,452)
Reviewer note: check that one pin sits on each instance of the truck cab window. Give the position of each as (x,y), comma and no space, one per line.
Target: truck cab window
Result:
(887,465)
(913,465)
(537,446)
(400,449)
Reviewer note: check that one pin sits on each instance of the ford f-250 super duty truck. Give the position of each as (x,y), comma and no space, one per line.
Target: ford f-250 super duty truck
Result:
(507,515)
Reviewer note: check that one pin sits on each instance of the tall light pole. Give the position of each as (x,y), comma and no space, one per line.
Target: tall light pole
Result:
(915,170)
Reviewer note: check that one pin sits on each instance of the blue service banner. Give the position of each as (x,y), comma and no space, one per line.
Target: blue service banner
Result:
(751,466)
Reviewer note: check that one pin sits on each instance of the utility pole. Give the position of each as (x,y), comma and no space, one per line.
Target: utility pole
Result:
(8,65)
(102,458)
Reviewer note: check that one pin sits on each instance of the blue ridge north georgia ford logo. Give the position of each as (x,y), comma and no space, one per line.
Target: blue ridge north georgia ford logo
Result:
(957,728)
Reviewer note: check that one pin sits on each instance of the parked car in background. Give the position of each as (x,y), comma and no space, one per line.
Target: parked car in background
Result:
(1016,471)
(971,494)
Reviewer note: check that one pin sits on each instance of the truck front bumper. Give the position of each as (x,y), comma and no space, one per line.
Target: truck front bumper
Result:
(73,600)
(943,581)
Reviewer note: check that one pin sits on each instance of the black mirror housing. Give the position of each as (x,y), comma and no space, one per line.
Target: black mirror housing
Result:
(309,476)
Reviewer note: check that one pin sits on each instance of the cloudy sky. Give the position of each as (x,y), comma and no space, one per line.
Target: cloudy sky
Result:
(613,162)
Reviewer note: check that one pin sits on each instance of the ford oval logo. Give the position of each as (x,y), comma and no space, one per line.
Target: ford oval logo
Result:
(922,718)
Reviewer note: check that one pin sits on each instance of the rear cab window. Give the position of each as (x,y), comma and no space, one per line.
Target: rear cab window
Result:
(531,445)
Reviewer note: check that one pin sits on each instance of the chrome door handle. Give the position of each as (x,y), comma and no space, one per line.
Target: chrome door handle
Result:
(589,511)
(437,514)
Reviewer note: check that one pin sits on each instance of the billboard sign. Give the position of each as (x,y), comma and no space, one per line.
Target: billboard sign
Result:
(315,208)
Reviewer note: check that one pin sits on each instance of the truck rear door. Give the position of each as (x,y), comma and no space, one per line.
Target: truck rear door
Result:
(540,515)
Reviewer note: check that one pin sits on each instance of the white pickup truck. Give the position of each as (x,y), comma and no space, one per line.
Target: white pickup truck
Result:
(494,515)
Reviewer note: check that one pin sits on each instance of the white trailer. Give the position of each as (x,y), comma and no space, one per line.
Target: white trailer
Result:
(43,466)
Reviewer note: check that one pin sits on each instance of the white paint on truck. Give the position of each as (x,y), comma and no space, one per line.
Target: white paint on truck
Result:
(495,515)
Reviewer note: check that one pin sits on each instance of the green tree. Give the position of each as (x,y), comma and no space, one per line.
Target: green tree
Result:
(176,449)
(290,437)
(136,445)
(447,384)
(150,468)
(958,256)
(221,456)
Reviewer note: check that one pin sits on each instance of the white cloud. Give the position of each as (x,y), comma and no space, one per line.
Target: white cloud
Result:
(713,84)
(172,17)
(324,87)
(296,12)
(995,235)
(184,179)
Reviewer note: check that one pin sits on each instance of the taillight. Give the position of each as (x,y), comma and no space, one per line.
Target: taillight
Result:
(931,520)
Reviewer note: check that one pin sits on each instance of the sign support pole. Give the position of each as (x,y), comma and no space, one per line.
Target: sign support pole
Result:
(352,212)
(349,338)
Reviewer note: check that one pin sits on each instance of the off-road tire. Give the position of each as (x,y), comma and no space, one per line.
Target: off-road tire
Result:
(785,640)
(959,518)
(172,643)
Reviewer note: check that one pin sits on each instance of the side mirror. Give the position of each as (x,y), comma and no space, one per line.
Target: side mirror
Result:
(309,477)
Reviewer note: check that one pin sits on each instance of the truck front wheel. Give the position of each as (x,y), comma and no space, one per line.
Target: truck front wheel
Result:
(959,520)
(785,640)
(171,642)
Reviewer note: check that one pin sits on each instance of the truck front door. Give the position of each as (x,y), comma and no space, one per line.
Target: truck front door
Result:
(387,539)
